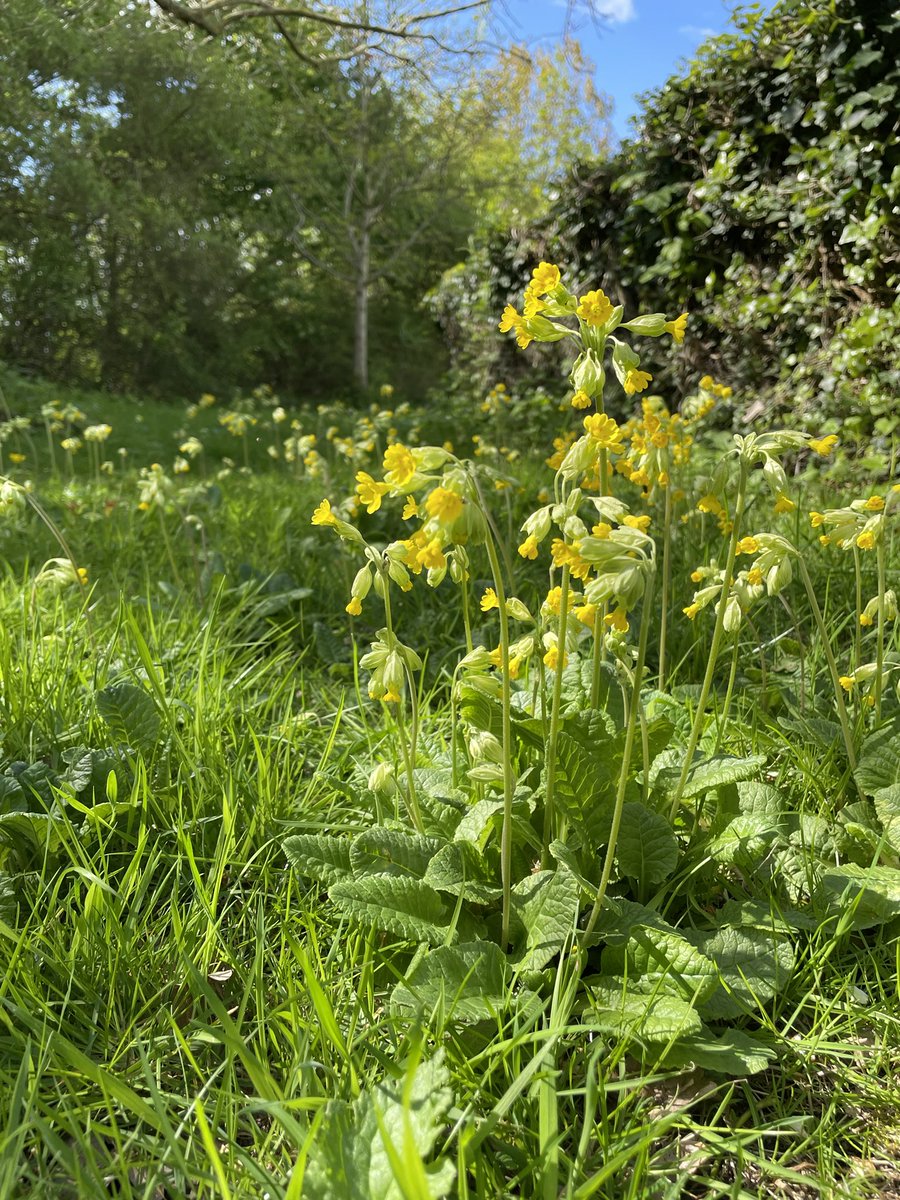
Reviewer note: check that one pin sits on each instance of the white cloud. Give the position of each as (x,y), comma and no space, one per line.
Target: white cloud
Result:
(697,31)
(617,12)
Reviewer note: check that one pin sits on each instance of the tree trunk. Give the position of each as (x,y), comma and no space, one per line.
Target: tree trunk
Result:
(361,312)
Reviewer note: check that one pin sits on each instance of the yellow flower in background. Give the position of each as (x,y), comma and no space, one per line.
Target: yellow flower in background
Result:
(748,545)
(399,465)
(816,519)
(551,658)
(581,400)
(636,381)
(431,556)
(544,278)
(532,303)
(847,682)
(825,445)
(696,576)
(710,504)
(511,319)
(874,504)
(322,515)
(369,491)
(586,614)
(783,504)
(595,308)
(489,600)
(16,458)
(354,608)
(444,505)
(410,508)
(866,540)
(677,328)
(602,530)
(691,611)
(529,548)
(755,576)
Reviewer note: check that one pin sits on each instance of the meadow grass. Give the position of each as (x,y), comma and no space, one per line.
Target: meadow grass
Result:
(179,1009)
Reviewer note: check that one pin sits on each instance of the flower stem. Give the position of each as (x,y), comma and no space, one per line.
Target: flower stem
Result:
(666,586)
(414,811)
(718,633)
(556,703)
(633,710)
(879,650)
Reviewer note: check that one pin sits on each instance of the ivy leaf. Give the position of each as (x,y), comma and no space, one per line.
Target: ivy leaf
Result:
(647,849)
(544,910)
(407,907)
(130,714)
(360,1145)
(465,983)
(319,856)
(392,851)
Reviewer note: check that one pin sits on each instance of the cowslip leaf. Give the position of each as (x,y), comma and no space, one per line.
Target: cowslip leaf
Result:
(623,1012)
(467,983)
(544,911)
(319,856)
(753,963)
(647,849)
(130,714)
(408,907)
(392,851)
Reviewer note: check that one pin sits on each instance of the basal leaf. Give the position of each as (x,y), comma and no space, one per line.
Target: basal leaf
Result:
(753,964)
(459,869)
(318,856)
(130,714)
(408,907)
(392,851)
(733,1053)
(870,895)
(887,806)
(544,911)
(465,983)
(647,849)
(625,1013)
(879,760)
(663,960)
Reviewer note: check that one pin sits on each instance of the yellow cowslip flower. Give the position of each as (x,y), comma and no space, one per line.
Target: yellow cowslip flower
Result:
(581,399)
(677,328)
(847,682)
(16,458)
(489,600)
(533,305)
(865,619)
(691,611)
(816,519)
(82,575)
(874,504)
(322,515)
(554,600)
(604,431)
(783,504)
(544,278)
(618,619)
(392,696)
(369,491)
(866,540)
(696,576)
(663,479)
(748,545)
(823,446)
(754,576)
(431,556)
(399,465)
(602,530)
(707,383)
(410,509)
(551,658)
(443,505)
(636,381)
(586,614)
(641,523)
(595,308)
(710,504)
(354,608)
(511,319)
(529,548)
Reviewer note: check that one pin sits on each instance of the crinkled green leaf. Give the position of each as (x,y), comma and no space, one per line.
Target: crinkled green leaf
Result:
(871,894)
(879,760)
(705,773)
(459,869)
(408,907)
(544,910)
(130,714)
(662,959)
(350,1158)
(379,850)
(653,1017)
(319,856)
(887,806)
(753,964)
(733,1053)
(647,849)
(466,983)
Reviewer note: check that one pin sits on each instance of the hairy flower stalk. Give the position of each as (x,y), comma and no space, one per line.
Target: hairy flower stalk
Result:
(555,704)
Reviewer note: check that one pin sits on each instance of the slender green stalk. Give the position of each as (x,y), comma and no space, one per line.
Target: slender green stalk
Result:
(857,633)
(630,730)
(506,701)
(832,665)
(414,811)
(879,643)
(666,585)
(555,705)
(718,634)
(729,692)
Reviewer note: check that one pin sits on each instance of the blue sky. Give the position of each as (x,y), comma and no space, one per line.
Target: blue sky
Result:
(638,45)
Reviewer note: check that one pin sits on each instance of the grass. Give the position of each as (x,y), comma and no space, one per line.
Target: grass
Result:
(180,1012)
